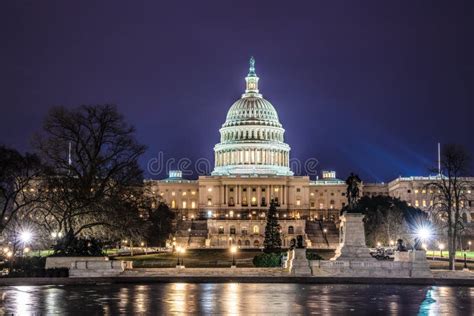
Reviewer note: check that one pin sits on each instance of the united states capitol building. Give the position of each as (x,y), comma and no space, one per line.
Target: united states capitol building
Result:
(252,168)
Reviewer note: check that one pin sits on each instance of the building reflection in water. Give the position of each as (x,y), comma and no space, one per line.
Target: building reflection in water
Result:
(231,298)
(23,299)
(124,299)
(141,299)
(54,301)
(236,299)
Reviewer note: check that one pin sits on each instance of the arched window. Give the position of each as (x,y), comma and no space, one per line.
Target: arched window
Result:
(256,229)
(221,229)
(291,230)
(232,230)
(247,242)
(256,243)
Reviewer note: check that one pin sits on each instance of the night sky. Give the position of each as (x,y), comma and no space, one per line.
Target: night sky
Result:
(364,86)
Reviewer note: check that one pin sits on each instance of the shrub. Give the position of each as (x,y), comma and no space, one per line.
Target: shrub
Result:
(78,247)
(313,256)
(267,260)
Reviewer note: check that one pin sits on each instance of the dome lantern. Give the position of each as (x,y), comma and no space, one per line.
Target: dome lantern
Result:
(251,87)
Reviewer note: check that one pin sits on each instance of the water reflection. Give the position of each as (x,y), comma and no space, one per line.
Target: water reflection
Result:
(236,299)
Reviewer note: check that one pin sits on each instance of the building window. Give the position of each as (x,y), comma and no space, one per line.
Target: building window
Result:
(256,230)
(209,189)
(232,230)
(184,204)
(244,231)
(424,203)
(231,189)
(291,230)
(409,191)
(173,204)
(221,230)
(209,201)
(416,203)
(321,206)
(298,190)
(193,204)
(416,191)
(298,202)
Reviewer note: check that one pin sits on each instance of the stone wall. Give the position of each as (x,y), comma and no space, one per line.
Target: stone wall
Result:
(150,272)
(406,264)
(65,262)
(360,268)
(90,269)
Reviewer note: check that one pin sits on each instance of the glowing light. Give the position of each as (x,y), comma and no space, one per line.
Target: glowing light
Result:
(423,233)
(9,254)
(441,246)
(424,246)
(233,249)
(26,236)
(379,244)
(392,243)
(26,250)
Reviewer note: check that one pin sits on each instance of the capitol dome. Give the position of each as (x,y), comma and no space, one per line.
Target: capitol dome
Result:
(252,137)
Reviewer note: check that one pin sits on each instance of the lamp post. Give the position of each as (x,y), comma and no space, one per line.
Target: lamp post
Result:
(441,247)
(178,251)
(233,250)
(183,250)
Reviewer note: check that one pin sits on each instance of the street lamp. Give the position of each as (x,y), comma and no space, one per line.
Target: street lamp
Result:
(392,243)
(180,250)
(469,243)
(183,250)
(26,236)
(441,247)
(233,250)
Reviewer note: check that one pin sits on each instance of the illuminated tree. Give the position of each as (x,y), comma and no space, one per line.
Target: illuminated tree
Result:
(272,242)
(92,167)
(449,191)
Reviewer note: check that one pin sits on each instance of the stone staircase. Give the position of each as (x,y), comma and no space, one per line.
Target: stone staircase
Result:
(192,234)
(319,239)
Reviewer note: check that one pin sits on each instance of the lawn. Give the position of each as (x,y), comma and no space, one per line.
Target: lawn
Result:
(459,254)
(194,258)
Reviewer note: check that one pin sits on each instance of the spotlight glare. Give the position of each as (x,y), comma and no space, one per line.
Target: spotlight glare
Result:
(424,233)
(26,236)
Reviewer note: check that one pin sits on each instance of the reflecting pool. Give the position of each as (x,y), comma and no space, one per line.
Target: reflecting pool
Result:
(237,299)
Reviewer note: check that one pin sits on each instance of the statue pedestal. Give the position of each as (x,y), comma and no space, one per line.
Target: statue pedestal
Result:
(352,239)
(420,268)
(300,265)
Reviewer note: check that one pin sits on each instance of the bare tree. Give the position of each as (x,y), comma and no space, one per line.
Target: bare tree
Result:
(92,159)
(18,174)
(449,194)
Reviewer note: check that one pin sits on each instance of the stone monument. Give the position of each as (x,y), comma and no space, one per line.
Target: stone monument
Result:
(300,265)
(352,239)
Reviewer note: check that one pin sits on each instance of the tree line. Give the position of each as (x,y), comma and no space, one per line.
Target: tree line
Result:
(82,182)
